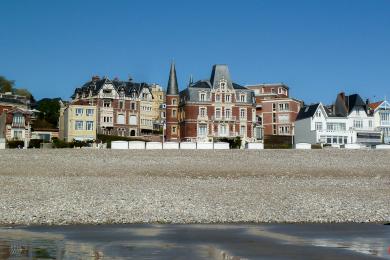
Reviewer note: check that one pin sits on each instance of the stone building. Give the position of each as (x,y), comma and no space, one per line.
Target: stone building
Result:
(210,109)
(124,108)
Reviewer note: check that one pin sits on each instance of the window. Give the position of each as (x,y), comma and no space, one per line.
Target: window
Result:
(223,85)
(273,91)
(174,129)
(89,125)
(79,111)
(18,134)
(242,130)
(107,119)
(132,106)
(106,103)
(335,126)
(274,129)
(284,130)
(174,101)
(242,113)
(318,126)
(318,113)
(284,118)
(385,117)
(242,98)
(223,129)
(133,120)
(120,119)
(284,107)
(202,96)
(202,130)
(89,111)
(357,111)
(18,119)
(217,98)
(121,104)
(79,125)
(273,106)
(273,117)
(217,113)
(227,98)
(174,113)
(370,123)
(202,112)
(358,123)
(228,113)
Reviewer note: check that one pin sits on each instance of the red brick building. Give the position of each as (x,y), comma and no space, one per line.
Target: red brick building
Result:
(275,110)
(210,109)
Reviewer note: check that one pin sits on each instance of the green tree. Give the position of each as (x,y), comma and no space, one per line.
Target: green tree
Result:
(50,110)
(6,85)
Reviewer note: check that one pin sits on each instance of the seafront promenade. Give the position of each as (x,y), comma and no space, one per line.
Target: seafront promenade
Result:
(80,186)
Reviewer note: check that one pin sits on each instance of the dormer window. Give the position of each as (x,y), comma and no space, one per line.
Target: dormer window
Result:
(202,96)
(242,98)
(107,91)
(174,101)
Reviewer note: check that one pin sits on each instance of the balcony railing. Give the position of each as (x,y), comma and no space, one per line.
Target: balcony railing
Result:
(223,118)
(203,118)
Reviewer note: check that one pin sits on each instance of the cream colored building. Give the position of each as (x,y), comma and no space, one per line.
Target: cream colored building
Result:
(158,106)
(78,121)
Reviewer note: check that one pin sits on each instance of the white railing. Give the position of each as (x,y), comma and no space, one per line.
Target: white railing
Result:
(223,118)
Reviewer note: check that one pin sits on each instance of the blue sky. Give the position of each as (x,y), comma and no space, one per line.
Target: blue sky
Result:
(316,47)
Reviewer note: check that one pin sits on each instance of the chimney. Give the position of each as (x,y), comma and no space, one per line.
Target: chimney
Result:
(95,78)
(342,95)
(367,101)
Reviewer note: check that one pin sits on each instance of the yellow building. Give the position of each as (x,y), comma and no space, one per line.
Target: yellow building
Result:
(78,121)
(158,106)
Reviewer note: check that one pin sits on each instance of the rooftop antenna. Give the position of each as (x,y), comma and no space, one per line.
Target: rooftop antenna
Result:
(191,80)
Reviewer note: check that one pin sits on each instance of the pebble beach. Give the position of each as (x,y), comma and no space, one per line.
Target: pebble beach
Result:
(84,186)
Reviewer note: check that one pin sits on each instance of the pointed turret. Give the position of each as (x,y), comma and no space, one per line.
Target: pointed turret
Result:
(173,88)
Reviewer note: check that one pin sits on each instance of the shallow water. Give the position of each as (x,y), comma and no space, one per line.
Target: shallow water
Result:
(275,241)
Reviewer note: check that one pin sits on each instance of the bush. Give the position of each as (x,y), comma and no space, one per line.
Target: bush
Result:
(233,143)
(35,143)
(316,146)
(277,146)
(15,144)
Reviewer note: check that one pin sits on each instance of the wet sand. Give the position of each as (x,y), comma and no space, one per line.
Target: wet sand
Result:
(282,241)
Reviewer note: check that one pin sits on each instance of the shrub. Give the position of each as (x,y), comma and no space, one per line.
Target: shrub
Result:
(15,144)
(233,143)
(35,143)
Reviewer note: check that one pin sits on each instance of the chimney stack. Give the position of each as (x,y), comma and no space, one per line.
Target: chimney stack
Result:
(95,78)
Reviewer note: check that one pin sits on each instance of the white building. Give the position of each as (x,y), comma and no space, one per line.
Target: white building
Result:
(381,113)
(346,122)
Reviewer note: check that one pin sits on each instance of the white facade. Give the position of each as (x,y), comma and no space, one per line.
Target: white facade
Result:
(357,127)
(381,116)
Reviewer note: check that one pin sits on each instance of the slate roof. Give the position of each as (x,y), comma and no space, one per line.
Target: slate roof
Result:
(344,105)
(307,111)
(95,85)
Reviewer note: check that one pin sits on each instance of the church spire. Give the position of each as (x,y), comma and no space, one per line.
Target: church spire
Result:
(173,88)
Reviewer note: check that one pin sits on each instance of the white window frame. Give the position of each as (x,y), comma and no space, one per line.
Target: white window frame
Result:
(79,125)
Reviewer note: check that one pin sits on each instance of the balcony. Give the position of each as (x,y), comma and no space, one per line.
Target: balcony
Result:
(385,123)
(230,134)
(223,118)
(203,118)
